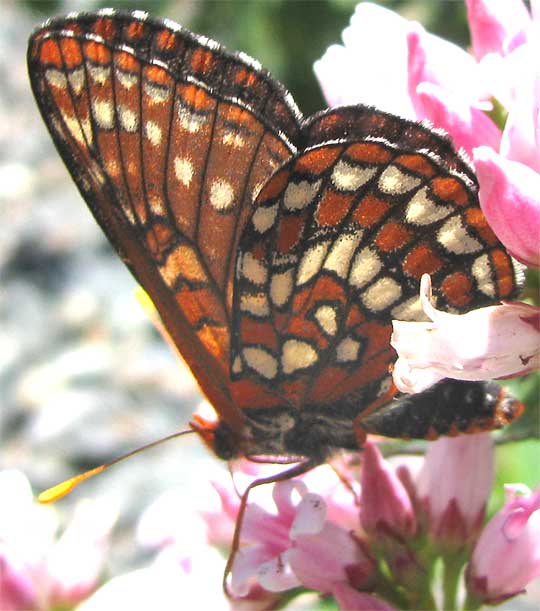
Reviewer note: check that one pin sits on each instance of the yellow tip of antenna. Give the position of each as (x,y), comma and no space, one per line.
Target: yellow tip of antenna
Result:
(57,492)
(60,490)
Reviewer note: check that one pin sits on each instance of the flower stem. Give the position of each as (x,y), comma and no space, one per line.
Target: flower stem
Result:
(472,603)
(452,566)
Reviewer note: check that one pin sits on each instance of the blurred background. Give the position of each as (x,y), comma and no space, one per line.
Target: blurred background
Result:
(84,376)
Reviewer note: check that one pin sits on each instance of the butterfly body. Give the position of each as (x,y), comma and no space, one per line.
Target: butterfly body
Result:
(276,249)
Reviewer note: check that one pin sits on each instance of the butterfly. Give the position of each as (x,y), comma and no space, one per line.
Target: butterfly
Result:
(276,248)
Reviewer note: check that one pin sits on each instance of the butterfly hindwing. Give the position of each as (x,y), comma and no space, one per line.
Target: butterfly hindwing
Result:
(335,249)
(168,138)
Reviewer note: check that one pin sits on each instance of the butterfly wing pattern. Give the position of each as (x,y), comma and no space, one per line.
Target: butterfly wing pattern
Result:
(276,249)
(167,137)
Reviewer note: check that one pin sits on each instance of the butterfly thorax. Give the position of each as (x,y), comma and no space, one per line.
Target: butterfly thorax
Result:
(281,432)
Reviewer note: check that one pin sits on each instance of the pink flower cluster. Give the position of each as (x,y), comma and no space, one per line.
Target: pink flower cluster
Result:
(317,533)
(39,571)
(428,78)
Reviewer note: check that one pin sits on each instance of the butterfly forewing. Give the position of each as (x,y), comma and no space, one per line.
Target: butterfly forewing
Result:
(168,138)
(335,250)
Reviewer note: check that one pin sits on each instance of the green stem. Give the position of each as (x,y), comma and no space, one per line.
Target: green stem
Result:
(472,603)
(451,572)
(387,590)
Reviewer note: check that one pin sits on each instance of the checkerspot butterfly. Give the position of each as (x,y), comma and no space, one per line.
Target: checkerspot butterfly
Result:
(276,248)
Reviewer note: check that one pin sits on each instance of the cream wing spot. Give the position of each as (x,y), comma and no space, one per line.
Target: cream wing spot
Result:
(80,130)
(129,120)
(281,286)
(157,94)
(255,304)
(311,262)
(411,309)
(126,79)
(365,266)
(233,139)
(77,80)
(481,269)
(99,74)
(422,210)
(394,181)
(326,316)
(236,366)
(153,132)
(264,217)
(221,195)
(103,113)
(56,78)
(381,294)
(261,361)
(347,350)
(341,253)
(190,121)
(182,261)
(156,205)
(253,269)
(183,170)
(455,238)
(297,354)
(347,177)
(299,195)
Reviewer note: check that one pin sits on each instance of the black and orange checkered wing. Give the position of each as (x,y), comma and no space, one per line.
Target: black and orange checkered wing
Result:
(168,137)
(335,249)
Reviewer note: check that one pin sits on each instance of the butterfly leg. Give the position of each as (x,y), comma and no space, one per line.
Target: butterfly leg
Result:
(451,407)
(296,471)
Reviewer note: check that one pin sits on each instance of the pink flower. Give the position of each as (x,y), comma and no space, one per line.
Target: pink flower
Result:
(439,62)
(39,570)
(385,504)
(506,557)
(469,126)
(509,196)
(171,581)
(17,589)
(453,487)
(491,342)
(347,78)
(494,24)
(297,546)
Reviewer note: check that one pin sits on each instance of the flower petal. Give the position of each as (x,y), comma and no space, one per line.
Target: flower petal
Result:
(384,502)
(487,343)
(310,516)
(454,484)
(438,61)
(510,199)
(276,575)
(362,39)
(468,127)
(492,23)
(503,562)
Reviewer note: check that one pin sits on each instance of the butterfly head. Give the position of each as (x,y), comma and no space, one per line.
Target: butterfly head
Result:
(219,437)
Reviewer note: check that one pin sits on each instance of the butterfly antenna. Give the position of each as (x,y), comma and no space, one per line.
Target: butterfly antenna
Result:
(57,492)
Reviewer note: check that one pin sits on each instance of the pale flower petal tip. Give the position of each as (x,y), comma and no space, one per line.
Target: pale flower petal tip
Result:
(488,343)
(510,199)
